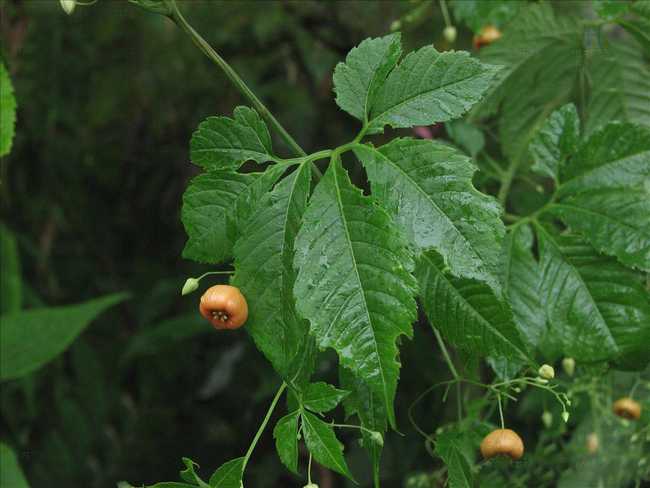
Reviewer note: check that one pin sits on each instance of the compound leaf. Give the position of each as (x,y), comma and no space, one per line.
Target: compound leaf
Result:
(467,312)
(321,397)
(264,271)
(365,69)
(429,87)
(354,283)
(556,141)
(323,444)
(597,309)
(223,143)
(427,187)
(286,440)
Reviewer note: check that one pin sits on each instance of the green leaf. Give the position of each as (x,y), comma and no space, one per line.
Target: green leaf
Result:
(367,405)
(427,187)
(476,14)
(615,221)
(223,143)
(354,282)
(556,141)
(10,278)
(429,87)
(365,69)
(321,397)
(264,272)
(31,338)
(286,440)
(615,156)
(323,444)
(466,136)
(7,111)
(619,86)
(521,282)
(449,448)
(597,309)
(216,205)
(467,312)
(189,474)
(229,475)
(541,57)
(11,476)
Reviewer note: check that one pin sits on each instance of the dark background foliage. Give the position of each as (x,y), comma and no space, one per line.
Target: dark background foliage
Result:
(108,99)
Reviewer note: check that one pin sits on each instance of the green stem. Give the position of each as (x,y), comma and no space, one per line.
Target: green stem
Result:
(232,75)
(445,353)
(503,425)
(309,471)
(210,273)
(506,183)
(267,417)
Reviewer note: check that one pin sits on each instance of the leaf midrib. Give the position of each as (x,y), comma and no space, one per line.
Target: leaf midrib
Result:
(339,203)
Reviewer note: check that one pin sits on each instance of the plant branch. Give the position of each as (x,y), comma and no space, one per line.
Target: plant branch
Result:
(267,417)
(232,75)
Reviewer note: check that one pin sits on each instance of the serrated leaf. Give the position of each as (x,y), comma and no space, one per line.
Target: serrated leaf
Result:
(459,471)
(429,87)
(365,69)
(540,55)
(619,86)
(467,312)
(427,187)
(248,116)
(31,338)
(229,475)
(597,309)
(323,444)
(353,282)
(556,141)
(321,397)
(7,111)
(615,221)
(286,440)
(264,272)
(615,156)
(521,283)
(222,143)
(11,476)
(216,206)
(10,278)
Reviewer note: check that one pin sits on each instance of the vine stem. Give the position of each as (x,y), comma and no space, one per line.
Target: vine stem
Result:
(267,417)
(202,44)
(453,370)
(503,425)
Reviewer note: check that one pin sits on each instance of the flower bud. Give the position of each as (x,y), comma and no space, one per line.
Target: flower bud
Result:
(190,285)
(377,438)
(311,485)
(565,416)
(569,366)
(68,6)
(547,419)
(546,371)
(450,34)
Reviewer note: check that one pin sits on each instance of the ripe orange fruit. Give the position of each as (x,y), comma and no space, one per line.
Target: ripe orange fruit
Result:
(224,306)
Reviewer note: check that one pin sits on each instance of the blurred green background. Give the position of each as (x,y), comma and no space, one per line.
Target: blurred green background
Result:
(107,101)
